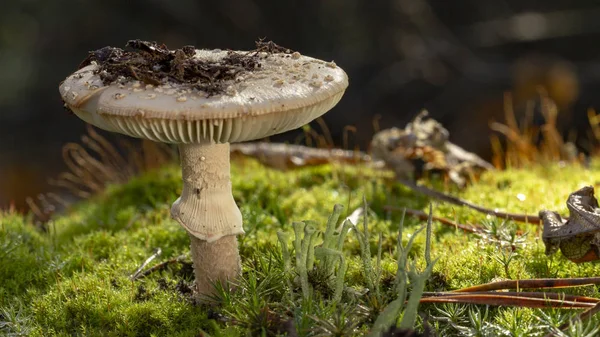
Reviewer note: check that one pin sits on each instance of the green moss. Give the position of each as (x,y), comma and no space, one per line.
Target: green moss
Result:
(74,279)
(28,258)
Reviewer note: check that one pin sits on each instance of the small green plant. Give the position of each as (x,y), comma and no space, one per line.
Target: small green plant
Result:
(448,317)
(254,304)
(14,321)
(372,274)
(342,320)
(479,323)
(407,272)
(332,265)
(515,322)
(505,257)
(551,321)
(503,233)
(578,328)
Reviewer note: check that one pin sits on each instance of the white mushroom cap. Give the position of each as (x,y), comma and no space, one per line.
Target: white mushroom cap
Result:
(284,93)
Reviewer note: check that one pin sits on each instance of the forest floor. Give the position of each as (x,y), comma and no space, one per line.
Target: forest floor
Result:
(74,279)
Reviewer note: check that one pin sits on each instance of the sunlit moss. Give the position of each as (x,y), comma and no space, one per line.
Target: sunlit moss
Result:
(74,278)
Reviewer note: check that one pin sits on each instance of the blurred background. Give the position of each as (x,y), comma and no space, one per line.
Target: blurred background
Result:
(454,58)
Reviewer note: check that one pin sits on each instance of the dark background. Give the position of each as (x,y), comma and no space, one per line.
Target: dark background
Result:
(455,58)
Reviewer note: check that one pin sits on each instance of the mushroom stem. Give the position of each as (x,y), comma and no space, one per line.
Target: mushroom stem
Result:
(214,262)
(207,210)
(206,207)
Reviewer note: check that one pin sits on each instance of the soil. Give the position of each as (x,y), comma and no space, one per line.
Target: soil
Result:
(155,64)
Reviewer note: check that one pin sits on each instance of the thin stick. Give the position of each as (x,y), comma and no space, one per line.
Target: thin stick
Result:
(461,202)
(308,153)
(135,275)
(424,216)
(161,266)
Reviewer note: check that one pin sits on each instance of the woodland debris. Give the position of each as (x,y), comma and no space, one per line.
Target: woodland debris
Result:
(156,254)
(424,146)
(578,238)
(140,273)
(153,64)
(286,156)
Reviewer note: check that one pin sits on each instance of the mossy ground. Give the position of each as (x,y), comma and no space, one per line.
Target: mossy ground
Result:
(74,279)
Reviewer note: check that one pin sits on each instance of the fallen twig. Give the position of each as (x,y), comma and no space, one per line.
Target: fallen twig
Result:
(284,156)
(461,202)
(136,274)
(160,266)
(424,216)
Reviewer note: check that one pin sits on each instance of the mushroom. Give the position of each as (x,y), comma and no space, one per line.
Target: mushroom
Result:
(283,91)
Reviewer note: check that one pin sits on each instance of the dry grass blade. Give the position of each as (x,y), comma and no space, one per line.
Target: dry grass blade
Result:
(375,123)
(498,152)
(594,134)
(37,211)
(520,149)
(346,137)
(326,133)
(108,153)
(527,143)
(533,283)
(151,156)
(519,142)
(308,135)
(555,146)
(94,164)
(64,180)
(594,120)
(86,172)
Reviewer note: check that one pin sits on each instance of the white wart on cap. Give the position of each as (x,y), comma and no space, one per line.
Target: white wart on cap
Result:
(284,93)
